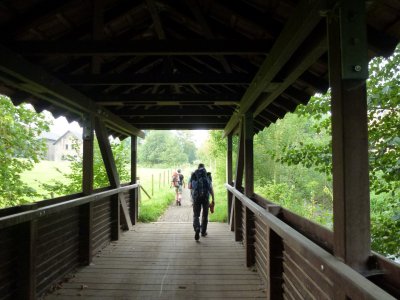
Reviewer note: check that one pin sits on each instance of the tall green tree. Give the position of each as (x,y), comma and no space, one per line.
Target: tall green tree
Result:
(20,149)
(188,147)
(166,148)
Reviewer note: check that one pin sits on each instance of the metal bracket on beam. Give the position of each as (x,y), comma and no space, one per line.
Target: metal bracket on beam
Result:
(87,133)
(353,34)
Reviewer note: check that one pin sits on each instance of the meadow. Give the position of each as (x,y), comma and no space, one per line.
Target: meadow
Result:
(154,181)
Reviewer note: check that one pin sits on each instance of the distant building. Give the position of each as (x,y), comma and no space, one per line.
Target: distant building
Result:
(61,147)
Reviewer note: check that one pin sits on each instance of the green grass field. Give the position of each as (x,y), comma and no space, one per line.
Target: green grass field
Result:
(156,182)
(44,172)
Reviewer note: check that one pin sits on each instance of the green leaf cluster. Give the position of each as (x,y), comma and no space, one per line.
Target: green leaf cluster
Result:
(20,149)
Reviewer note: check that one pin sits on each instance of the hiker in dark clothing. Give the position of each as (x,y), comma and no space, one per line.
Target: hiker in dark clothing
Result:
(201,185)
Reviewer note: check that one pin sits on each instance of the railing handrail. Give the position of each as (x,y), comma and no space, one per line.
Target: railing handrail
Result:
(30,215)
(349,280)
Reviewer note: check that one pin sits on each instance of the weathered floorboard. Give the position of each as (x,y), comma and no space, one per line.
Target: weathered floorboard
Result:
(163,261)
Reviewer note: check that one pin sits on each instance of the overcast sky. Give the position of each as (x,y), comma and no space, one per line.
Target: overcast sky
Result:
(61,125)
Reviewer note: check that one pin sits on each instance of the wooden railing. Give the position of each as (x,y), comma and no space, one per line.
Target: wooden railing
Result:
(294,256)
(41,243)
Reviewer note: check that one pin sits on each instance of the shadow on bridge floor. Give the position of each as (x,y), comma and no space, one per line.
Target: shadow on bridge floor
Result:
(163,261)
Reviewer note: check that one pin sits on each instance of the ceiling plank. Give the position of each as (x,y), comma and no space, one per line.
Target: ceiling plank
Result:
(195,8)
(28,77)
(297,28)
(157,78)
(176,112)
(97,32)
(173,126)
(145,47)
(138,98)
(311,55)
(180,120)
(151,6)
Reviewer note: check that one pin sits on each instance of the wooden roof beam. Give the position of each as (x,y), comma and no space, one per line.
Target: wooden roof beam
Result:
(195,8)
(151,6)
(145,47)
(304,19)
(30,78)
(176,112)
(311,53)
(180,120)
(173,126)
(154,79)
(186,98)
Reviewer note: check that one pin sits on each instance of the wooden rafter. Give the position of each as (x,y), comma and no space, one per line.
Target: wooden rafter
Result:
(219,120)
(153,79)
(165,99)
(194,7)
(145,47)
(173,111)
(152,7)
(23,75)
(303,21)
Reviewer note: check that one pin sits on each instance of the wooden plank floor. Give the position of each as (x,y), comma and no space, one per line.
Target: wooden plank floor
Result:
(163,261)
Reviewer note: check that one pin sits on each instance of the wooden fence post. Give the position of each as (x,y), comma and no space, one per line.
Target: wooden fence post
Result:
(26,264)
(133,199)
(275,266)
(248,125)
(86,210)
(238,185)
(229,173)
(152,184)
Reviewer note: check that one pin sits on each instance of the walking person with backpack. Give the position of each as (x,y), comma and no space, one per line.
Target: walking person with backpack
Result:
(178,182)
(201,186)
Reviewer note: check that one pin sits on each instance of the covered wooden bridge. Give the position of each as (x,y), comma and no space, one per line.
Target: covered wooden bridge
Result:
(123,66)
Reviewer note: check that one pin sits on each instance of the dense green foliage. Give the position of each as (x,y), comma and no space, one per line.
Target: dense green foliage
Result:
(20,148)
(384,148)
(292,158)
(73,184)
(166,148)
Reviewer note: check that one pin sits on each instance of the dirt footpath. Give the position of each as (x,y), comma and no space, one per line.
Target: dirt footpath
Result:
(183,213)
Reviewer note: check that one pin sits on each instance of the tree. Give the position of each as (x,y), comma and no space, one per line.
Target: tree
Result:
(73,179)
(384,148)
(20,148)
(188,146)
(383,128)
(166,148)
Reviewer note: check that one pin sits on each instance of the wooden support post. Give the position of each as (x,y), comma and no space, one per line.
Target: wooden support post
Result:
(26,263)
(238,185)
(133,205)
(348,69)
(106,153)
(275,266)
(248,126)
(86,210)
(152,184)
(113,177)
(229,172)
